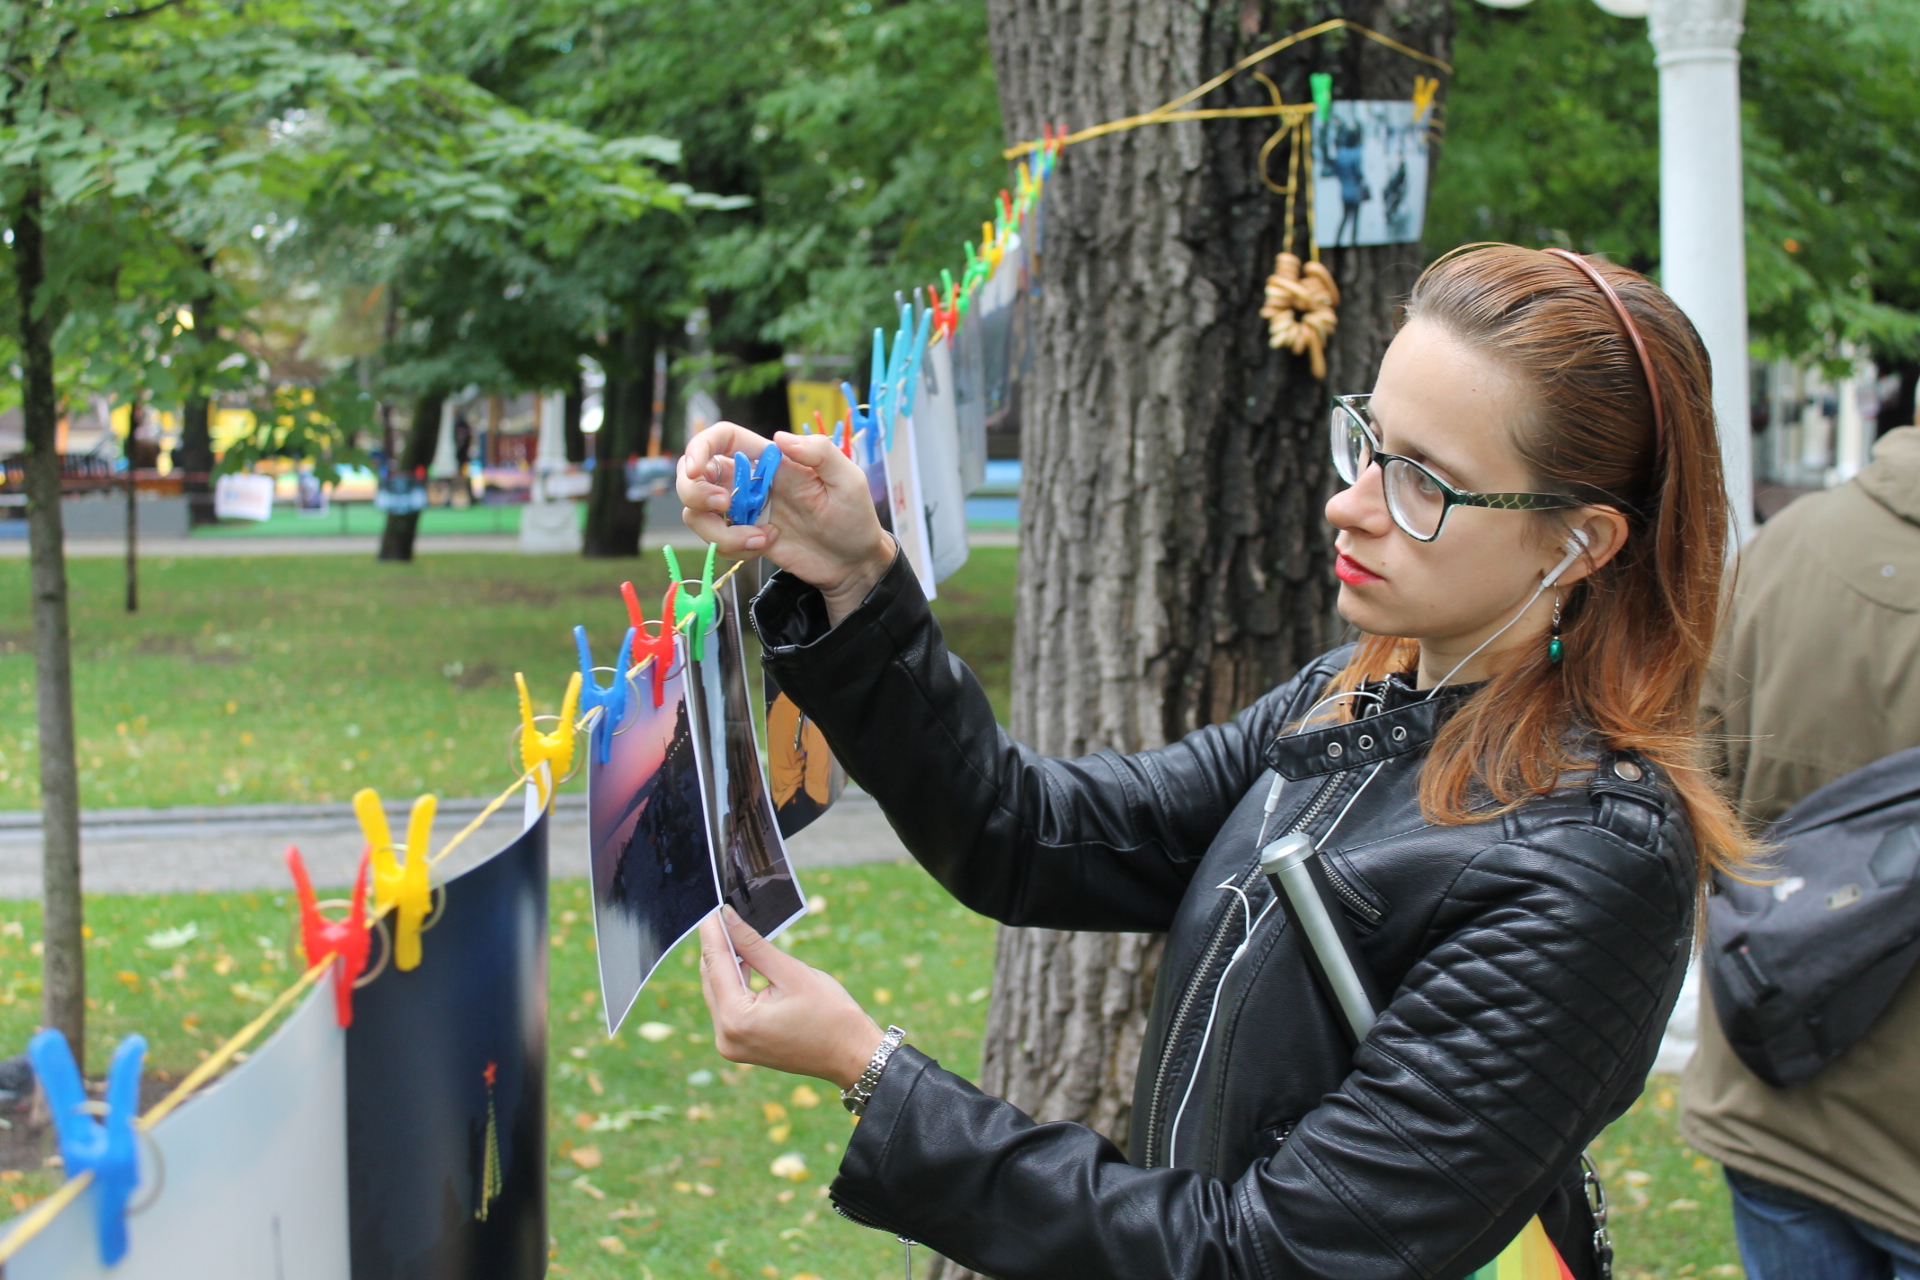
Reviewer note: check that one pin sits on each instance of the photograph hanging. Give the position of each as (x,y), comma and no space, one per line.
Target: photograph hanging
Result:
(1370,174)
(257,1163)
(446,1086)
(750,862)
(647,839)
(802,772)
(936,434)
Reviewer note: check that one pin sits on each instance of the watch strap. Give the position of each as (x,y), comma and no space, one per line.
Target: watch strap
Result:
(856,1096)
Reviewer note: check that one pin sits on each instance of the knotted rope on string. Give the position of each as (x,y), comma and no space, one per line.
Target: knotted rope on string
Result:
(1300,309)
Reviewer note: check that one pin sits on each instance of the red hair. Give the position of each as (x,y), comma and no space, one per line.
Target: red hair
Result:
(1638,631)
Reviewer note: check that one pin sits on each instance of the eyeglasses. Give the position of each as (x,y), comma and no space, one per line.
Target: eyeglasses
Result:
(1417,499)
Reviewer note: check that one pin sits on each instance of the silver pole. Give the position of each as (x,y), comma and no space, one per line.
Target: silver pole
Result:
(1284,863)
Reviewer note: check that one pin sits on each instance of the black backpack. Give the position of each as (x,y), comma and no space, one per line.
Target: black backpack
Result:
(1802,967)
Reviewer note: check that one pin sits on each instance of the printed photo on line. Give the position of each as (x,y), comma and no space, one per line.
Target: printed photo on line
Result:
(749,857)
(647,839)
(446,1086)
(1370,174)
(801,770)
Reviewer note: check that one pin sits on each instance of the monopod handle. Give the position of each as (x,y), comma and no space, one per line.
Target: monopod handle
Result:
(1292,867)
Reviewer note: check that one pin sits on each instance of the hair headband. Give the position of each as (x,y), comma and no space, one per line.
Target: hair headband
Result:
(1633,332)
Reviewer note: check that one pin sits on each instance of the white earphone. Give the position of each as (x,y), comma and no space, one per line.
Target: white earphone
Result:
(1576,545)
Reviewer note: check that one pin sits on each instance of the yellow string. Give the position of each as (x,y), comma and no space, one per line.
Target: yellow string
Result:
(1170,112)
(480,819)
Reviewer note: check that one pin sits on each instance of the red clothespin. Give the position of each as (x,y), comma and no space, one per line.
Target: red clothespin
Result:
(1006,207)
(655,643)
(944,318)
(346,940)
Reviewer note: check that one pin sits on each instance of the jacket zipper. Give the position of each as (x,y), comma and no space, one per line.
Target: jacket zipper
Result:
(1345,891)
(1192,993)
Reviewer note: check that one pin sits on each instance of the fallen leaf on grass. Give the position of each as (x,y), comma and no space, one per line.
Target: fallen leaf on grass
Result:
(581,1184)
(700,1111)
(169,939)
(655,1032)
(773,1111)
(804,1096)
(779,1133)
(612,1244)
(585,1157)
(702,1188)
(792,1166)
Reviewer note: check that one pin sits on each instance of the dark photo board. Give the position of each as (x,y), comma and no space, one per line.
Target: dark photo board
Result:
(653,875)
(749,857)
(446,1087)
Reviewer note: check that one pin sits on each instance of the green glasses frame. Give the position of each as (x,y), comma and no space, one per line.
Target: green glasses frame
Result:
(1355,409)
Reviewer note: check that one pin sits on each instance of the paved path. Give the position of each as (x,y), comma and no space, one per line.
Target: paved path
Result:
(243,846)
(355,545)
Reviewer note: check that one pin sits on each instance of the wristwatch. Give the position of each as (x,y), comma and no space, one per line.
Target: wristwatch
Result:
(855,1099)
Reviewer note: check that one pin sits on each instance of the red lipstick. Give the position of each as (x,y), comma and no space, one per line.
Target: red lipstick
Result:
(1352,572)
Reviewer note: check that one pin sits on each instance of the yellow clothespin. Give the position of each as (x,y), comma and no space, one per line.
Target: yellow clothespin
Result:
(1424,88)
(400,887)
(555,750)
(990,248)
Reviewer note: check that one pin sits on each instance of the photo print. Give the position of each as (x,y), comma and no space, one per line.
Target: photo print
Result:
(802,773)
(652,872)
(1370,174)
(446,1087)
(750,862)
(256,1163)
(936,434)
(909,513)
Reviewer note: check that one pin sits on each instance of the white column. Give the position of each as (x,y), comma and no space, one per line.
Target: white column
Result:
(1703,252)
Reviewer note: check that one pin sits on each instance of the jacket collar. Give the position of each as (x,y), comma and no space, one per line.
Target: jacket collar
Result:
(1404,719)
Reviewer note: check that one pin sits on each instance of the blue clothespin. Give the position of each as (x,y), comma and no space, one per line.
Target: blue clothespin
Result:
(860,421)
(108,1151)
(612,699)
(896,368)
(752,486)
(911,377)
(878,385)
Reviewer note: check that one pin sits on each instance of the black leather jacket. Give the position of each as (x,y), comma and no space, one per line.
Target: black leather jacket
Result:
(1532,961)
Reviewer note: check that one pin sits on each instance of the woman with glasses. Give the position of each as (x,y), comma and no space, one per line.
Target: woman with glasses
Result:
(1500,784)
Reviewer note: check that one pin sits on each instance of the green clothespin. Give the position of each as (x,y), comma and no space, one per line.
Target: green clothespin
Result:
(701,612)
(1322,84)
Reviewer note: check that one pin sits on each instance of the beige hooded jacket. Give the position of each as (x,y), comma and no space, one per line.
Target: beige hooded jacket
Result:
(1817,674)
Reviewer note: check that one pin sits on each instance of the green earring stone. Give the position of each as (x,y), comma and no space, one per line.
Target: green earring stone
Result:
(1554,649)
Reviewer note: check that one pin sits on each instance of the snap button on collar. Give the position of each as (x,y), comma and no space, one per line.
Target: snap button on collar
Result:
(1628,770)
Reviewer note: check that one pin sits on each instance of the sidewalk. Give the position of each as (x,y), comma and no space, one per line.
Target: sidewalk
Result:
(678,537)
(242,847)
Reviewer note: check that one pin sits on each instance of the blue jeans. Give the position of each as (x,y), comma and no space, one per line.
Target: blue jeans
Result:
(1784,1235)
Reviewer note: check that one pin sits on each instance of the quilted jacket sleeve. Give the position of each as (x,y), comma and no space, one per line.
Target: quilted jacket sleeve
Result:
(1104,842)
(1530,1025)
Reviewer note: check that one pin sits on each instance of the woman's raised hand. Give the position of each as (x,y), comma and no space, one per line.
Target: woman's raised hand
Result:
(819,523)
(802,1021)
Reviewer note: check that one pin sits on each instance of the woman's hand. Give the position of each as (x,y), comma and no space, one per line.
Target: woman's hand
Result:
(819,523)
(803,1022)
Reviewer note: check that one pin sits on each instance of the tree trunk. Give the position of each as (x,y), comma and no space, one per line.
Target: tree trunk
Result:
(194,453)
(423,438)
(615,525)
(1174,562)
(574,439)
(63,963)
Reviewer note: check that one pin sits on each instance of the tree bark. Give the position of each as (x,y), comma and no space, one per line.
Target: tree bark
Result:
(615,525)
(63,962)
(423,437)
(194,454)
(575,440)
(1174,562)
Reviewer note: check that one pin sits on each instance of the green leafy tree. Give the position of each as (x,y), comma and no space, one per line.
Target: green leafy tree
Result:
(1553,137)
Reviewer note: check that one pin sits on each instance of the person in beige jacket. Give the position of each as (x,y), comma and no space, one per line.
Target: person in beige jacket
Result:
(1818,674)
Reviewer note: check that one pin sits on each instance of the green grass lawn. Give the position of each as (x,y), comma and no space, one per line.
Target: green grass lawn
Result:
(303,678)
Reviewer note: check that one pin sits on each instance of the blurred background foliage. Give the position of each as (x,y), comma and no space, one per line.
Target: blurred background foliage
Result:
(333,203)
